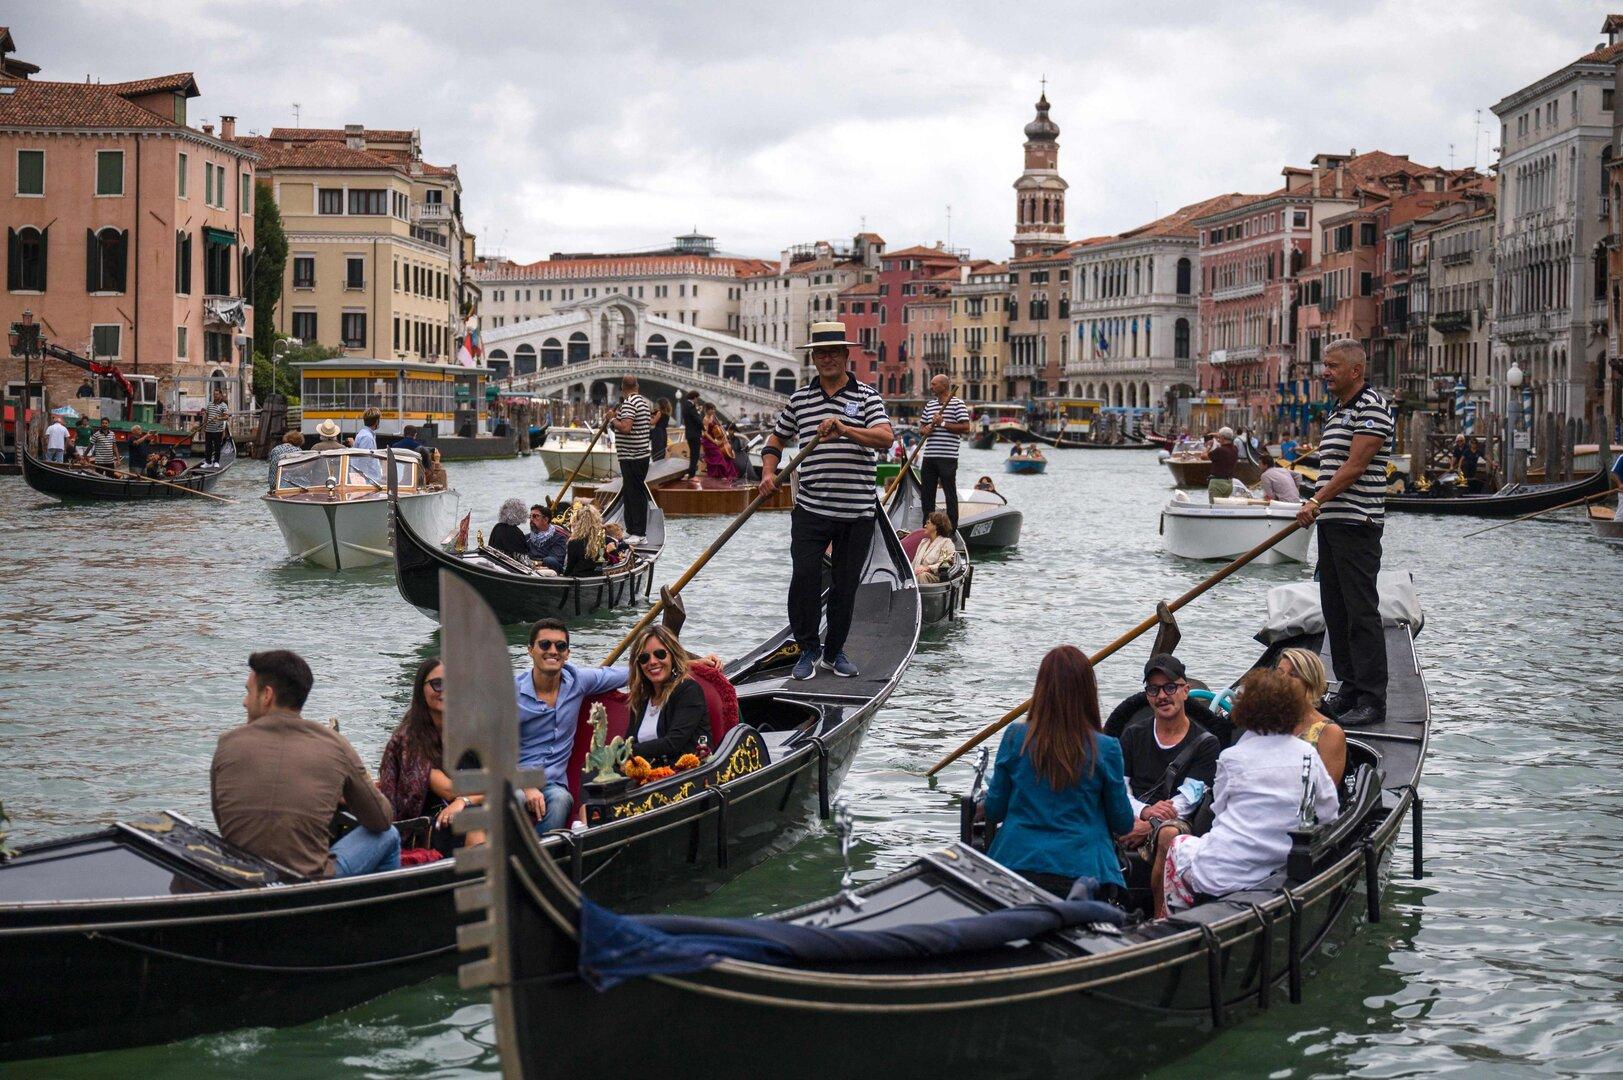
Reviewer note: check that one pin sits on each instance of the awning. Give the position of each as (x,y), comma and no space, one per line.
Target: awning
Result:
(218,236)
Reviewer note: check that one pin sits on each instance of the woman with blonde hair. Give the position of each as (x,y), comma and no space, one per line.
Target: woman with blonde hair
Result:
(667,708)
(587,540)
(1317,730)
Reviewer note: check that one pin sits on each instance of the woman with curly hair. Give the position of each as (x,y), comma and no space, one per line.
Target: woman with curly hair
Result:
(412,774)
(587,541)
(1257,796)
(667,707)
(507,535)
(936,556)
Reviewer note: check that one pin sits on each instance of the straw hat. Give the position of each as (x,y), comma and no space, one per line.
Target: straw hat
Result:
(828,333)
(328,429)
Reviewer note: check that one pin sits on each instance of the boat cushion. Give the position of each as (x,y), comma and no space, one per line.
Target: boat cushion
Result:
(719,698)
(911,543)
(1294,610)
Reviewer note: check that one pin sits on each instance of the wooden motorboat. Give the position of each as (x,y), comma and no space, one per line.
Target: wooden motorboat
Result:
(1512,500)
(1605,524)
(1193,469)
(702,496)
(73,482)
(951,963)
(564,448)
(941,600)
(1227,528)
(1025,466)
(333,506)
(986,521)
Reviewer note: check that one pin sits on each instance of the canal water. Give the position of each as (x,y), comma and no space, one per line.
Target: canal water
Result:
(126,629)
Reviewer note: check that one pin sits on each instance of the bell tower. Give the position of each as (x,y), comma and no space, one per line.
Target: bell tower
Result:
(1039,194)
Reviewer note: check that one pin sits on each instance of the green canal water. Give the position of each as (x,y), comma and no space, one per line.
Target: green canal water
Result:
(126,630)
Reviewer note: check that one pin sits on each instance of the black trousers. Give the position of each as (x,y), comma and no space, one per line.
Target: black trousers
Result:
(1349,559)
(633,477)
(695,457)
(943,471)
(810,535)
(212,442)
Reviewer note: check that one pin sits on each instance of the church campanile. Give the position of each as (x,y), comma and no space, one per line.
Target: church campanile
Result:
(1039,194)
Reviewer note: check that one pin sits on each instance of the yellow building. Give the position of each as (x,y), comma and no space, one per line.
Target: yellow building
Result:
(980,330)
(375,242)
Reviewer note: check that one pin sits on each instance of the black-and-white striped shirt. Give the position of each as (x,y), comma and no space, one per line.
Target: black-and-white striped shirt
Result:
(943,443)
(836,479)
(1365,502)
(104,447)
(214,416)
(634,445)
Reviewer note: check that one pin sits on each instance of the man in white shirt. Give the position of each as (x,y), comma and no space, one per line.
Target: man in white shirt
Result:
(56,441)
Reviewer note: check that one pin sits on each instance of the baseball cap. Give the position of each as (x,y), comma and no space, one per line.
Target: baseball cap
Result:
(1166,664)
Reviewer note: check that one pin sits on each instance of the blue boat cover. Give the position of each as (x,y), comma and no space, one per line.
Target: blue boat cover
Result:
(614,948)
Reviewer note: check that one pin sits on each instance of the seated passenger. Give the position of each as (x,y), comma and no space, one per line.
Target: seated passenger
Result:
(1259,796)
(615,549)
(547,546)
(156,464)
(1278,484)
(1162,752)
(506,536)
(278,779)
(1317,730)
(936,557)
(667,708)
(412,773)
(1057,787)
(433,470)
(985,484)
(588,540)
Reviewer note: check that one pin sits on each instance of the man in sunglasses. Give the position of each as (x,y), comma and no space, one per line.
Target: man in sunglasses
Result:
(1162,751)
(549,697)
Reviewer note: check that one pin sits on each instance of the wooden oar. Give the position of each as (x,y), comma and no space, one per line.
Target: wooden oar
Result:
(1119,644)
(177,487)
(1541,513)
(733,526)
(552,506)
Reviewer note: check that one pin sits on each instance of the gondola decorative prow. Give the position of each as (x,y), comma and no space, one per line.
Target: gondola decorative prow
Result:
(1167,634)
(672,614)
(847,833)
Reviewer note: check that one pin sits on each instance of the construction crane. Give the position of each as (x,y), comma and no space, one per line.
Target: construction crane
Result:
(26,338)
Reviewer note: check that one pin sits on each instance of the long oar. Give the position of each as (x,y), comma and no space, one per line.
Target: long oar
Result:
(1541,513)
(177,487)
(698,564)
(1117,645)
(552,507)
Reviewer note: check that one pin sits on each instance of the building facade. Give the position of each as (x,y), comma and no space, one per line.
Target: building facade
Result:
(129,233)
(902,276)
(779,305)
(374,241)
(1611,376)
(928,315)
(981,300)
(1550,307)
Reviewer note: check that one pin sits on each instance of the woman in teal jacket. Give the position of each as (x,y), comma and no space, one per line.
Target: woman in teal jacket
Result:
(1057,792)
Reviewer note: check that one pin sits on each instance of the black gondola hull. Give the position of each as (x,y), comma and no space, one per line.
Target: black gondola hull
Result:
(86,485)
(1536,499)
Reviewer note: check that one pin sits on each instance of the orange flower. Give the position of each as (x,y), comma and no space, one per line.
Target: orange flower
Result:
(658,774)
(687,761)
(637,768)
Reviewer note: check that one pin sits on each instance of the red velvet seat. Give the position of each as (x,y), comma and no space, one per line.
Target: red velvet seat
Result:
(912,542)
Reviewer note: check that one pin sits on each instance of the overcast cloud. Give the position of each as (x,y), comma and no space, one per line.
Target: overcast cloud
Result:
(612,126)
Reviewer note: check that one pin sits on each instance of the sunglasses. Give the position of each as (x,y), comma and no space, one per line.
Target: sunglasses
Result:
(653,654)
(436,685)
(1166,689)
(551,646)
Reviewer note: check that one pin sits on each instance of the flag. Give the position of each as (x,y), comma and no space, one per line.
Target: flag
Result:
(1103,344)
(459,537)
(469,352)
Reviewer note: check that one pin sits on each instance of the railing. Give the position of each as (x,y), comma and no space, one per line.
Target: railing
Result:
(430,236)
(430,212)
(602,367)
(1456,258)
(1238,292)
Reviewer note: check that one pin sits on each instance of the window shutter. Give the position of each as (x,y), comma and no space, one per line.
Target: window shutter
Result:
(121,260)
(92,278)
(13,260)
(44,250)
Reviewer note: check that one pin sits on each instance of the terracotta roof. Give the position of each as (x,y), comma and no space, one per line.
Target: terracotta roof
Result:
(627,266)
(866,288)
(1180,221)
(1604,54)
(337,134)
(447,171)
(919,251)
(323,155)
(179,82)
(37,103)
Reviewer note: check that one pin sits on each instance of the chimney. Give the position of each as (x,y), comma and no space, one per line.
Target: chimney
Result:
(228,127)
(355,136)
(208,129)
(1341,177)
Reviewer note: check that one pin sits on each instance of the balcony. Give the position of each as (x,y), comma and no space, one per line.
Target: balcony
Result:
(1458,258)
(1451,322)
(1238,292)
(1220,357)
(225,312)
(433,213)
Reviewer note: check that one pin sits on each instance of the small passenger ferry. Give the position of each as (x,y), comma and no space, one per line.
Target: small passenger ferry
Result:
(446,403)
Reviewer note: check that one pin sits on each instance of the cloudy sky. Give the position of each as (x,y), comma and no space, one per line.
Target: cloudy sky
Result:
(615,125)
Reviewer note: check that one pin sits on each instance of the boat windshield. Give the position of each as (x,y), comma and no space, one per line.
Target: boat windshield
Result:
(349,473)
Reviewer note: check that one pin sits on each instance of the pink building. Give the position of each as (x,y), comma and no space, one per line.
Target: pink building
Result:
(129,234)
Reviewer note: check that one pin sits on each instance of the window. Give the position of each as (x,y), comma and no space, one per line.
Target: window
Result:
(1299,219)
(1366,234)
(330,201)
(304,271)
(216,266)
(180,342)
(367,201)
(1184,273)
(1180,339)
(109,172)
(353,329)
(25,259)
(105,259)
(354,272)
(247,204)
(104,340)
(1606,99)
(183,262)
(30,172)
(181,162)
(216,347)
(1366,284)
(304,326)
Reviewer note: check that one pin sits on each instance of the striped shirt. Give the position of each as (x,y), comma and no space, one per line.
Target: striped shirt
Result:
(1365,502)
(943,443)
(633,445)
(104,447)
(214,416)
(836,479)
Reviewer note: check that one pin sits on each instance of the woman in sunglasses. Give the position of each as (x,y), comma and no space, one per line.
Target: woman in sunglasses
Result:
(412,774)
(667,707)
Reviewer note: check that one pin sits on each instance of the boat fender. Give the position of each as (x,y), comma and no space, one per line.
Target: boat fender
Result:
(722,800)
(1220,703)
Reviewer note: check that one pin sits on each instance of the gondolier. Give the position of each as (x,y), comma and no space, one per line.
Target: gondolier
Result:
(1350,507)
(944,420)
(215,417)
(834,503)
(633,423)
(693,432)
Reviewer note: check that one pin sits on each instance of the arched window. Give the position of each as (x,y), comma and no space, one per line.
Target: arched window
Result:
(524,359)
(552,353)
(1184,274)
(709,362)
(1180,339)
(580,350)
(682,354)
(760,374)
(733,368)
(106,260)
(784,381)
(500,366)
(657,347)
(1144,395)
(25,260)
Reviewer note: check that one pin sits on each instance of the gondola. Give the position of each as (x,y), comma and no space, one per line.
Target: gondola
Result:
(515,592)
(941,601)
(983,440)
(1513,500)
(1604,523)
(966,978)
(154,929)
(67,482)
(1060,442)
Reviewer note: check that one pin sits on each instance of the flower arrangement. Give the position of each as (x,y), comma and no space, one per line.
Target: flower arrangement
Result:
(637,768)
(686,762)
(659,774)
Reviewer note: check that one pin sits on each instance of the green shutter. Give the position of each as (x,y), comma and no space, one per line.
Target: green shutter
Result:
(13,261)
(92,278)
(110,172)
(31,172)
(44,250)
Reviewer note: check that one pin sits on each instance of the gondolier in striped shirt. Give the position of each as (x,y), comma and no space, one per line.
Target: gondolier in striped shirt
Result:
(1350,507)
(214,425)
(104,448)
(944,421)
(632,423)
(834,502)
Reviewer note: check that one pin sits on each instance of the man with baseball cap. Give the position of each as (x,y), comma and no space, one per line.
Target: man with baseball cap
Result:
(1225,459)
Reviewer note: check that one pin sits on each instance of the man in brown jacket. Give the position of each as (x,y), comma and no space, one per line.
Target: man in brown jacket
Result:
(278,779)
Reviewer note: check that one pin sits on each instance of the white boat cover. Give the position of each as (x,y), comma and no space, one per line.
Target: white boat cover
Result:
(1294,609)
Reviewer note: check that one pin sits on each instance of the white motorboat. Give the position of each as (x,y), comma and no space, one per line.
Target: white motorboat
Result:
(565,446)
(333,506)
(1228,528)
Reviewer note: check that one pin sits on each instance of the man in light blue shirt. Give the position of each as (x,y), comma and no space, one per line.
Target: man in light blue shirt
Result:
(366,439)
(549,697)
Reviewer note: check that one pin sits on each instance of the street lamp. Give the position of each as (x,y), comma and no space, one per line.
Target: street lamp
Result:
(1513,421)
(281,346)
